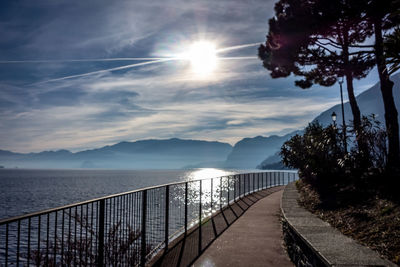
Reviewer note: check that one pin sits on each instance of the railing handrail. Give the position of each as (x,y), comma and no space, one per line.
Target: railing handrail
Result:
(46,211)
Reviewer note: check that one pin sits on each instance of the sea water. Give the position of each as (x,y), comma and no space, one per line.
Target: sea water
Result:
(24,191)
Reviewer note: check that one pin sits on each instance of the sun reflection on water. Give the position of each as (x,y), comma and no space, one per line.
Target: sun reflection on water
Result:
(207,173)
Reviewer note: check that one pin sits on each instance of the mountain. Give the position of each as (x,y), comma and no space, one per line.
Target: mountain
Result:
(155,154)
(370,102)
(249,152)
(272,163)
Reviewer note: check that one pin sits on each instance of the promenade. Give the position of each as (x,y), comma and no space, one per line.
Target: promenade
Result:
(247,233)
(255,239)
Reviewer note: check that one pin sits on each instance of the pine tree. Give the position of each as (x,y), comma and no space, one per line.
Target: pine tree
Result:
(383,15)
(318,40)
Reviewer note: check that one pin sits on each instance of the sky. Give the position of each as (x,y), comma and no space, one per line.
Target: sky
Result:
(47,104)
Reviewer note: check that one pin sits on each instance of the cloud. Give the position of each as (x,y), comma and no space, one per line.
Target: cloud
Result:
(162,100)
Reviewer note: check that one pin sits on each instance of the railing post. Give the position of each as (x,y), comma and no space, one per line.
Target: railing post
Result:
(228,188)
(211,195)
(200,216)
(166,216)
(248,185)
(220,193)
(143,251)
(243,185)
(186,206)
(100,256)
(240,186)
(234,188)
(246,176)
(254,181)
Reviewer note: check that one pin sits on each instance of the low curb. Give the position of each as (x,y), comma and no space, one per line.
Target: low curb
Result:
(313,242)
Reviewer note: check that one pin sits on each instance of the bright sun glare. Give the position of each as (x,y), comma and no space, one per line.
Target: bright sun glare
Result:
(203,57)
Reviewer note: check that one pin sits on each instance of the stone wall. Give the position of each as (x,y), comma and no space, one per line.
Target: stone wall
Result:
(299,252)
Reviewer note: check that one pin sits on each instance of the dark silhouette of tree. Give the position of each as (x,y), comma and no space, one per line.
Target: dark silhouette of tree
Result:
(383,14)
(318,40)
(392,50)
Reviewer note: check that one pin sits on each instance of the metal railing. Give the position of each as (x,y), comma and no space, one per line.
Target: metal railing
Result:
(127,228)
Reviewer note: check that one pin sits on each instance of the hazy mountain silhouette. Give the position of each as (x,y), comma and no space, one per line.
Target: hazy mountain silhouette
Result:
(176,153)
(370,102)
(145,154)
(249,152)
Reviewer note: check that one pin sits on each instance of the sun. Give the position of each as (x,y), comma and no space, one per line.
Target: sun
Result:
(203,57)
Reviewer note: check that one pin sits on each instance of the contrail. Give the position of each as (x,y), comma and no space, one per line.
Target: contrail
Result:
(153,60)
(102,71)
(82,60)
(237,47)
(118,58)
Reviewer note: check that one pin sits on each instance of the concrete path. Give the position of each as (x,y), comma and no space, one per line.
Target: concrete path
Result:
(255,239)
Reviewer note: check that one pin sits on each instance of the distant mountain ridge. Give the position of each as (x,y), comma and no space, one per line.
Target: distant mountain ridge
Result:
(248,153)
(155,154)
(370,102)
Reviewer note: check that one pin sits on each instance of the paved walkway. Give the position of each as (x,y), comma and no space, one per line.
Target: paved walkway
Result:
(255,239)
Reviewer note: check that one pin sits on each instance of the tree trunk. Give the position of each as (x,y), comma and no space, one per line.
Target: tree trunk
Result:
(353,103)
(392,124)
(350,90)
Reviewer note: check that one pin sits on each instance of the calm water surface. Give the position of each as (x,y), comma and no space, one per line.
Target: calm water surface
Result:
(26,191)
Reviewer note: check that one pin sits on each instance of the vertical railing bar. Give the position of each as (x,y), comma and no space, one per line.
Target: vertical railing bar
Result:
(55,238)
(234,187)
(29,241)
(86,234)
(69,230)
(106,224)
(240,186)
(75,234)
(211,198)
(254,181)
(62,237)
(200,211)
(262,180)
(228,189)
(47,238)
(243,185)
(128,227)
(6,252)
(80,237)
(18,240)
(220,194)
(134,216)
(118,229)
(248,183)
(100,255)
(126,212)
(186,206)
(38,258)
(166,216)
(125,228)
(121,227)
(143,241)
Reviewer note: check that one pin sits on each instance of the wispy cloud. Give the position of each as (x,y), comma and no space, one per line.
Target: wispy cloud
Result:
(86,104)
